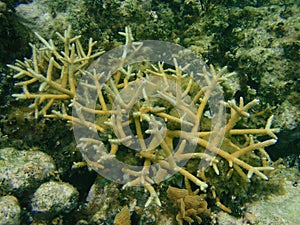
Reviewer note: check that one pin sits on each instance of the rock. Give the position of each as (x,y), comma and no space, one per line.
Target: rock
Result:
(275,210)
(278,209)
(107,204)
(3,7)
(22,171)
(36,15)
(103,198)
(9,210)
(13,37)
(47,17)
(53,198)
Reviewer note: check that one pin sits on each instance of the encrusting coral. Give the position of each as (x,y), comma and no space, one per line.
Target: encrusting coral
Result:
(52,76)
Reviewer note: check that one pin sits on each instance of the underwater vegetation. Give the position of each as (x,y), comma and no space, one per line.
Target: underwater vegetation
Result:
(161,110)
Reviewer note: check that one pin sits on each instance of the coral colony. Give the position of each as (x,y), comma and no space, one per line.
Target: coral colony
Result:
(123,121)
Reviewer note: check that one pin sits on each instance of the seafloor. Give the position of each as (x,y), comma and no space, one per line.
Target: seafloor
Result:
(43,178)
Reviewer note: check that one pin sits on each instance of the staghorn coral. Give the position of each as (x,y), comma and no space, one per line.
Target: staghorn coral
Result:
(50,75)
(163,95)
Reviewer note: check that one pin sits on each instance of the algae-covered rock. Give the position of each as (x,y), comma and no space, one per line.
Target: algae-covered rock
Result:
(9,210)
(13,35)
(106,200)
(21,171)
(47,17)
(53,198)
(103,201)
